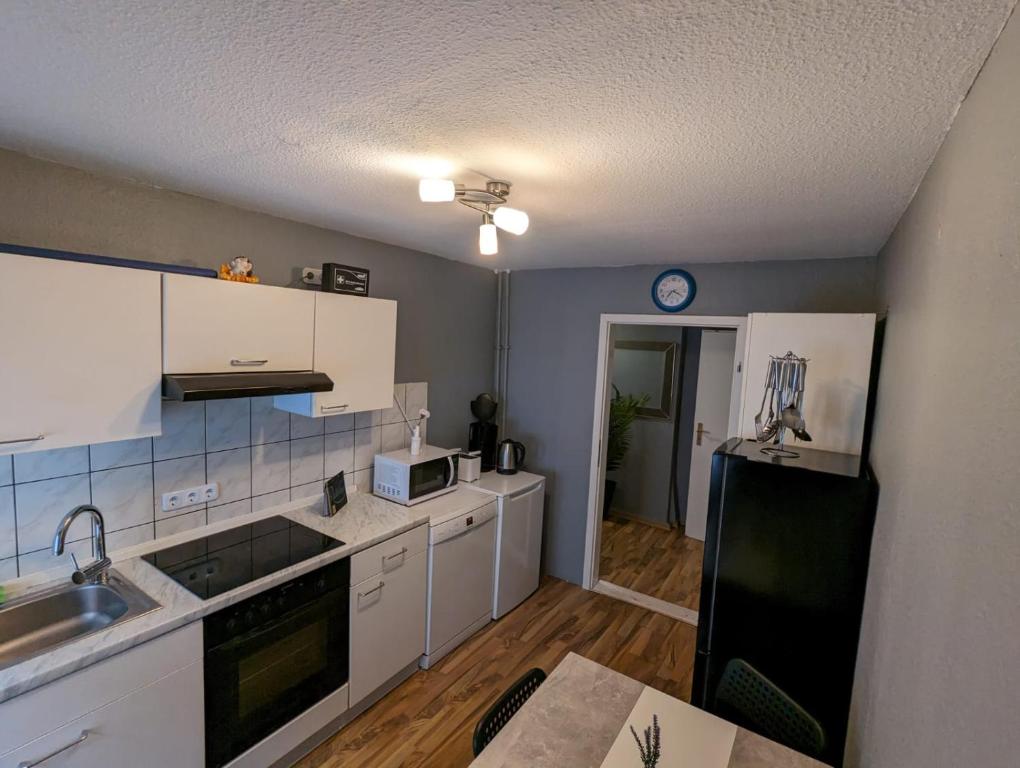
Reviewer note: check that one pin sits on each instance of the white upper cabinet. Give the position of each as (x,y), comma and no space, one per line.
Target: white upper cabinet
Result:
(218,326)
(355,345)
(79,353)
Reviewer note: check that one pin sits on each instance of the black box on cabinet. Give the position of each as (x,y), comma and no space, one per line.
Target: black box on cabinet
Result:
(340,278)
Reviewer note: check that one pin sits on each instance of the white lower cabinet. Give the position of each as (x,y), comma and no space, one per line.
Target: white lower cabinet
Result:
(388,615)
(143,707)
(159,726)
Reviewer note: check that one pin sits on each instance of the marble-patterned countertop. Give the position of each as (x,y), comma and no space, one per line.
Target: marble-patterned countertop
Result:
(366,520)
(574,718)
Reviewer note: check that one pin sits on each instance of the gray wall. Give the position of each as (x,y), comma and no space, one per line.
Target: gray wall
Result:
(554,338)
(446,317)
(938,673)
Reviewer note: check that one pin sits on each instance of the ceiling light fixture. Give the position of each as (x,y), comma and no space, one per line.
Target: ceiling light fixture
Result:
(491,202)
(488,242)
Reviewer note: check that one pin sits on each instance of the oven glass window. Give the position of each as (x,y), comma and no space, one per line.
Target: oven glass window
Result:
(266,676)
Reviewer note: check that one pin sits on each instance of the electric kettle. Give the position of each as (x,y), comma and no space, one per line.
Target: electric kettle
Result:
(509,457)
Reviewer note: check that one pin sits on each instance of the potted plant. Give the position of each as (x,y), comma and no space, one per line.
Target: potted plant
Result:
(623,409)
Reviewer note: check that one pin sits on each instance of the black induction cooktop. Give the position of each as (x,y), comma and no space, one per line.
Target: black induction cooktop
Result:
(224,561)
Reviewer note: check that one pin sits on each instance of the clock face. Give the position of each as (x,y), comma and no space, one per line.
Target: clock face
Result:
(673,290)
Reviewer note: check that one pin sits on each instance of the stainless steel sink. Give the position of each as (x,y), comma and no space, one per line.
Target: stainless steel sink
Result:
(40,622)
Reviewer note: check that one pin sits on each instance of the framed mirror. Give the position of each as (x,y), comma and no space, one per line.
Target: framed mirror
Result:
(647,368)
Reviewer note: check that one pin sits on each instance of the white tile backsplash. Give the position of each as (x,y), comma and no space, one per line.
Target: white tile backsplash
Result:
(306,460)
(366,446)
(265,458)
(124,496)
(394,437)
(303,426)
(270,468)
(268,425)
(227,511)
(232,470)
(227,424)
(180,523)
(392,415)
(183,431)
(176,475)
(8,569)
(42,465)
(342,422)
(40,505)
(340,453)
(416,398)
(8,530)
(121,453)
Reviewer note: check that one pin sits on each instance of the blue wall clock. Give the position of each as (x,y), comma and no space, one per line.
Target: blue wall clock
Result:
(674,290)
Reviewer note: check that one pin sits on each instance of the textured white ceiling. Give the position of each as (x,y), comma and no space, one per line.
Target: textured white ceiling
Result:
(633,132)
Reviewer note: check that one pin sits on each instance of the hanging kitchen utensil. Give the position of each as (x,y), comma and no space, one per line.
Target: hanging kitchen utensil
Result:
(785,379)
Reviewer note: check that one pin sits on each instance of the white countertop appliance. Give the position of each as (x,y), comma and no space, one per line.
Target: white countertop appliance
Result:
(521,505)
(461,552)
(408,479)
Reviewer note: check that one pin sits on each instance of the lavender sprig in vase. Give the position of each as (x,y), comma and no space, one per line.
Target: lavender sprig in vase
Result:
(649,748)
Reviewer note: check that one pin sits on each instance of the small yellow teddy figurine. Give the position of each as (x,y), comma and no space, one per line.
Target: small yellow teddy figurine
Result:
(239,270)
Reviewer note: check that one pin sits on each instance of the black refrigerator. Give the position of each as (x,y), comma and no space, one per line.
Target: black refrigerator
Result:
(786,561)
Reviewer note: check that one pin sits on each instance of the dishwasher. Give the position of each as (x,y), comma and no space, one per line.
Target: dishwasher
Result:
(461,561)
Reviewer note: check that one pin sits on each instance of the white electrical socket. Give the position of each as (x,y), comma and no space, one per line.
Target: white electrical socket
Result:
(188,497)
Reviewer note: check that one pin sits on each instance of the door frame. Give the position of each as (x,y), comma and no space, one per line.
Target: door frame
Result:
(600,426)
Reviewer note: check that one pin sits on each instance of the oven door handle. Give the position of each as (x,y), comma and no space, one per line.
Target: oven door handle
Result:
(331,597)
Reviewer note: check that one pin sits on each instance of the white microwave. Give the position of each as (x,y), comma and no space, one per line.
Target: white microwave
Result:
(408,479)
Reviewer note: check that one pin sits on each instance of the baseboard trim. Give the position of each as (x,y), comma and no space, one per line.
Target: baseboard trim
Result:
(678,612)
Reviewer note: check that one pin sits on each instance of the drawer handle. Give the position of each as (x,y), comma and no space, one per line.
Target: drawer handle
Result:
(236,361)
(403,551)
(35,439)
(41,760)
(373,589)
(328,408)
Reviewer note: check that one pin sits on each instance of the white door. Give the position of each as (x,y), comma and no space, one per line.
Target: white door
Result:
(711,418)
(519,548)
(461,559)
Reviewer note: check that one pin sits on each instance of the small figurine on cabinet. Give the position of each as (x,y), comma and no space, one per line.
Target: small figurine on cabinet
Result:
(239,270)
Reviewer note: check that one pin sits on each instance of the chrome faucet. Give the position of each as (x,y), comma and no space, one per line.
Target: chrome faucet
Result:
(96,571)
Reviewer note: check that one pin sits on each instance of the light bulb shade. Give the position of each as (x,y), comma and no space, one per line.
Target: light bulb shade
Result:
(510,219)
(488,241)
(436,190)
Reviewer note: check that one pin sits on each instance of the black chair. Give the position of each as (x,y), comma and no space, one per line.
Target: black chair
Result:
(499,714)
(747,698)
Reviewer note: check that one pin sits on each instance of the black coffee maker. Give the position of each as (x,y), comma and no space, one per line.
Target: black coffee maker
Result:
(482,433)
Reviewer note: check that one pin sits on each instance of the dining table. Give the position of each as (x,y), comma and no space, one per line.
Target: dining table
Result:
(582,715)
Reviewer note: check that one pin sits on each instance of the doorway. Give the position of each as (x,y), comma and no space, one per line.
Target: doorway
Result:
(674,383)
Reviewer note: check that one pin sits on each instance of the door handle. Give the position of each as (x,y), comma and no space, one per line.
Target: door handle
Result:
(702,432)
(328,408)
(237,361)
(35,439)
(372,590)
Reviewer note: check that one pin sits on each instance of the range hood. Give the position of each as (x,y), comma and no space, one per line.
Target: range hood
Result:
(220,386)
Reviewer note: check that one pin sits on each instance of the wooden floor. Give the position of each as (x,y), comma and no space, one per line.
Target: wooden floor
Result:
(429,720)
(653,561)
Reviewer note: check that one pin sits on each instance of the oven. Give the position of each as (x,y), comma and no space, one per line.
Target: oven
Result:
(271,657)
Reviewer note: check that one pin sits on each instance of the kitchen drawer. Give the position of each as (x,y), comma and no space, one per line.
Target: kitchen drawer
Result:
(389,555)
(387,625)
(159,726)
(217,326)
(37,712)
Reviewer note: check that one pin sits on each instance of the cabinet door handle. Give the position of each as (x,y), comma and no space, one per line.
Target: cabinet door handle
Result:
(372,590)
(237,361)
(35,439)
(403,551)
(328,408)
(41,760)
